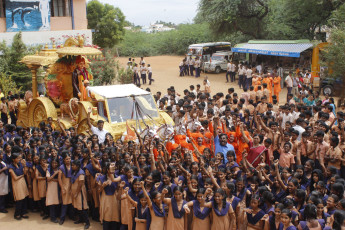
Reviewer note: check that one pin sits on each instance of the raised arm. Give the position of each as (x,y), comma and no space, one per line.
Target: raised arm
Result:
(129,198)
(284,187)
(243,134)
(149,202)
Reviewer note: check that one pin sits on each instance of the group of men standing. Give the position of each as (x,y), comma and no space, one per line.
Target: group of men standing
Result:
(188,65)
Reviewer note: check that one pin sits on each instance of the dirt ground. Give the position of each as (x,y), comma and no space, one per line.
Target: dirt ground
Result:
(166,73)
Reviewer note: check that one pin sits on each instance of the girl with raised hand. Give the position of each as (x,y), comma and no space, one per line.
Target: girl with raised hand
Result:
(157,209)
(255,216)
(109,198)
(177,220)
(64,179)
(19,187)
(286,219)
(78,192)
(201,213)
(52,199)
(142,219)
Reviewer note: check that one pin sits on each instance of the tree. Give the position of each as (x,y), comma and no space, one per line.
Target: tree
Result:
(107,21)
(334,55)
(9,61)
(228,16)
(104,70)
(298,19)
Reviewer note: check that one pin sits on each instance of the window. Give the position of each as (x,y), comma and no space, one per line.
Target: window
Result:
(60,8)
(2,9)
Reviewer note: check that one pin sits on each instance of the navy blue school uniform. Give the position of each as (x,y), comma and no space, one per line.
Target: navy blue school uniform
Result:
(281,227)
(235,202)
(256,218)
(304,225)
(242,194)
(279,197)
(331,212)
(6,159)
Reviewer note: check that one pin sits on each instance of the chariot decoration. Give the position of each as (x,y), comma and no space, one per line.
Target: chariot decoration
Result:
(70,92)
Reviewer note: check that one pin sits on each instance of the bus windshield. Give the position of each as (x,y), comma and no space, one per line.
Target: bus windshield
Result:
(195,51)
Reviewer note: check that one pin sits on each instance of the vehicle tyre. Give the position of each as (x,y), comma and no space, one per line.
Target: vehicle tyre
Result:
(327,90)
(218,69)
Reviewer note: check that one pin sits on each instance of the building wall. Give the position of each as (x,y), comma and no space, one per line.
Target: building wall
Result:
(45,37)
(2,25)
(61,23)
(79,9)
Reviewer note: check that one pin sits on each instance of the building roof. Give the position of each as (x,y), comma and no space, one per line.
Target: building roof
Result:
(283,48)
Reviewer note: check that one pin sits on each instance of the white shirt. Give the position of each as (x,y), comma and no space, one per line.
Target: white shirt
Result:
(232,67)
(259,68)
(249,73)
(149,69)
(99,133)
(228,67)
(241,70)
(135,69)
(191,61)
(143,70)
(286,117)
(288,81)
(300,130)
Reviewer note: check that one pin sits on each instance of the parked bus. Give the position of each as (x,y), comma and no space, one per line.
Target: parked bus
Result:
(205,50)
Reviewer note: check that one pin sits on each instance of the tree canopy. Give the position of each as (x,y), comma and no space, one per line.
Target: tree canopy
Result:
(268,19)
(108,23)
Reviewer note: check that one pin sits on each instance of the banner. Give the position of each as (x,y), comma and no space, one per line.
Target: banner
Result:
(27,15)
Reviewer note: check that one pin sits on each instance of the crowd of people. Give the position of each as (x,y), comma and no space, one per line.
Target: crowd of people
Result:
(238,160)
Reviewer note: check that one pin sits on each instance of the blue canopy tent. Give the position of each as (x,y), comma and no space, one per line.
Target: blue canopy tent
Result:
(282,48)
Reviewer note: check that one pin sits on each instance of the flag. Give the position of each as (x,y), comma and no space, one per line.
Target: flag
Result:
(131,136)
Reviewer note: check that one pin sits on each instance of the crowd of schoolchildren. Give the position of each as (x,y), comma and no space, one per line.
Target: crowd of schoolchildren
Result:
(141,71)
(230,162)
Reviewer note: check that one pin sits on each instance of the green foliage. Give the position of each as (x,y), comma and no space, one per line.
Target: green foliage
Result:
(268,19)
(338,16)
(228,16)
(104,70)
(9,61)
(124,76)
(334,55)
(298,19)
(174,42)
(7,84)
(107,21)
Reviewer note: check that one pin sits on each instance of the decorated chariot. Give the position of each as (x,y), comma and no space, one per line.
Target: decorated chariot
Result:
(70,94)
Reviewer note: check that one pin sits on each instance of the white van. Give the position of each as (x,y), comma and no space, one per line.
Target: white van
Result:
(218,62)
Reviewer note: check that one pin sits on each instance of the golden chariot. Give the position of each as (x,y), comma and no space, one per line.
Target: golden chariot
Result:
(119,106)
